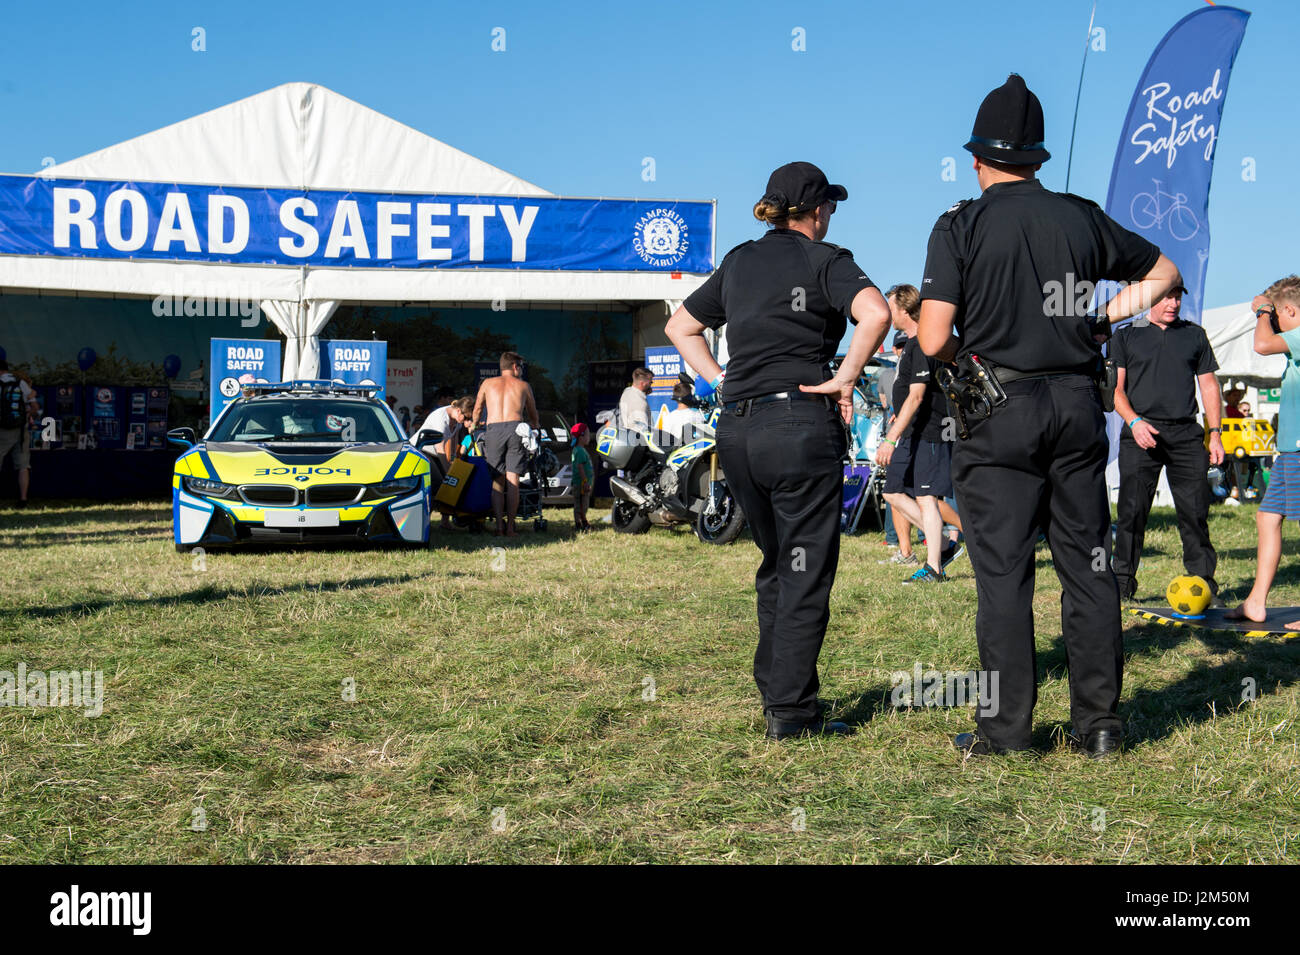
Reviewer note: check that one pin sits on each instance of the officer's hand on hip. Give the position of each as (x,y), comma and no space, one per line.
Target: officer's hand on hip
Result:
(1216,448)
(884,453)
(1144,435)
(839,389)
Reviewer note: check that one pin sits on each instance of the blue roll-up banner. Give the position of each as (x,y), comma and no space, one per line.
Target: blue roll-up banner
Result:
(152,220)
(236,362)
(356,363)
(665,363)
(1160,183)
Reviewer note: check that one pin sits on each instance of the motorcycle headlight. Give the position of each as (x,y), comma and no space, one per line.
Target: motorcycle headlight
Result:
(394,488)
(209,488)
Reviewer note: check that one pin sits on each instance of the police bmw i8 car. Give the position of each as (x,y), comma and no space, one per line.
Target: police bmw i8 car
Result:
(300,462)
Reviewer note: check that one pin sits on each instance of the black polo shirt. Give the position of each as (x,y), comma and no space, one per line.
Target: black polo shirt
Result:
(1012,262)
(1161,367)
(784,299)
(916,368)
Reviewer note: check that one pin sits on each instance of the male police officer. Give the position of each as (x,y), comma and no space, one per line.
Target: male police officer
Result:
(1038,459)
(1158,360)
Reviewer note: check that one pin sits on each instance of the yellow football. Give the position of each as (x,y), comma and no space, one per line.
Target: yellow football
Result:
(1189,595)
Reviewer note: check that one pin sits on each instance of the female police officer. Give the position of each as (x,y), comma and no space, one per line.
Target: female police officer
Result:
(781,442)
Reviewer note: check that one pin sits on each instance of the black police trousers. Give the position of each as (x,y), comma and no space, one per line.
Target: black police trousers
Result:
(1040,463)
(1180,448)
(783,461)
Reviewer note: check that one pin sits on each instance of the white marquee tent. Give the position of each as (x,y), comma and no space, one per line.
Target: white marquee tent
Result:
(304,136)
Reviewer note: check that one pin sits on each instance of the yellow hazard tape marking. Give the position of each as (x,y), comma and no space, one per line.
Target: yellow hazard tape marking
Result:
(1170,622)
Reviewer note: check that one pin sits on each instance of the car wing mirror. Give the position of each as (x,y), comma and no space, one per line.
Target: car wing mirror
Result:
(426,437)
(182,437)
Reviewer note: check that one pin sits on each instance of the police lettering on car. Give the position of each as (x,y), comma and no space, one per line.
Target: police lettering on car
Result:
(1032,450)
(781,438)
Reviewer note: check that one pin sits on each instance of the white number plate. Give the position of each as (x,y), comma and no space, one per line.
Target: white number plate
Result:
(283,517)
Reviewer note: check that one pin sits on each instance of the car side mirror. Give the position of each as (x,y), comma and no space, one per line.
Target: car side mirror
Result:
(426,437)
(182,437)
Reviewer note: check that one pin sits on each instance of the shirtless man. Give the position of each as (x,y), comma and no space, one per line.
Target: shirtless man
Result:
(508,401)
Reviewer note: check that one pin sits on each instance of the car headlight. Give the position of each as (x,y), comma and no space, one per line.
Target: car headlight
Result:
(395,487)
(209,488)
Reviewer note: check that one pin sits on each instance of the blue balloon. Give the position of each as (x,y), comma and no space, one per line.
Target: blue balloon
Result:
(171,365)
(85,358)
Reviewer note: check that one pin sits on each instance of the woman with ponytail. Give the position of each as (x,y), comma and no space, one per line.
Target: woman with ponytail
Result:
(784,299)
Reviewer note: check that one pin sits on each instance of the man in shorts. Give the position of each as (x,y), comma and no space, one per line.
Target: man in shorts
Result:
(18,409)
(507,402)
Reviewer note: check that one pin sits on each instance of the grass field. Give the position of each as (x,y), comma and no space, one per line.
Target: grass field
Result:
(501,710)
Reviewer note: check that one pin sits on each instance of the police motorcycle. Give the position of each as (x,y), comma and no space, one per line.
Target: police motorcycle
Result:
(667,480)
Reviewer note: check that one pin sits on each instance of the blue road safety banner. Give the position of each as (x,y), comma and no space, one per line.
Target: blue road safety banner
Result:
(236,362)
(356,363)
(665,363)
(151,220)
(1160,183)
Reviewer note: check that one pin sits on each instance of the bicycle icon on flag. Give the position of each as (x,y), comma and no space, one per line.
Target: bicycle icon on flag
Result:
(1155,209)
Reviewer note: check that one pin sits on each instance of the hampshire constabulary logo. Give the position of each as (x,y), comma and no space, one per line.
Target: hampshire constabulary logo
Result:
(661,238)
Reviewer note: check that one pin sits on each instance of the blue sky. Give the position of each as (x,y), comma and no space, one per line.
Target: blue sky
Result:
(712,91)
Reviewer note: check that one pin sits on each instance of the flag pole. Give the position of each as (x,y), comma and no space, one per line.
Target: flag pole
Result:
(1087,42)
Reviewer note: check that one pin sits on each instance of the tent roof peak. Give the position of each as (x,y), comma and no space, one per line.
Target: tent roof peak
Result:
(297,135)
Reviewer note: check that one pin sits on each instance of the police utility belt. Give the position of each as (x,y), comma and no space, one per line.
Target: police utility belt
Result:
(742,407)
(975,387)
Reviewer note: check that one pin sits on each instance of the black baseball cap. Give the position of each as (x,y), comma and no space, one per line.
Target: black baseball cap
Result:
(800,186)
(900,339)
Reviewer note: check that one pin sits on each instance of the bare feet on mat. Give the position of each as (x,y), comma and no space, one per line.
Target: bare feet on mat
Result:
(1250,610)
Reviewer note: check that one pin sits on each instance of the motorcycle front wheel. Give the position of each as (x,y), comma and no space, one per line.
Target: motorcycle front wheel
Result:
(722,527)
(628,520)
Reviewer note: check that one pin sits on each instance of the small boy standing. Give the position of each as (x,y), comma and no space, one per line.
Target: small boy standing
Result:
(1277,332)
(583,475)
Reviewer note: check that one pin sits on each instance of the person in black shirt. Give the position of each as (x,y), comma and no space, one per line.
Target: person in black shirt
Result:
(781,437)
(898,529)
(1158,360)
(1008,270)
(914,452)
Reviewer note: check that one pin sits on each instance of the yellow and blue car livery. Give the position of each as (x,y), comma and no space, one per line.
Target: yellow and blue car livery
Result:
(294,489)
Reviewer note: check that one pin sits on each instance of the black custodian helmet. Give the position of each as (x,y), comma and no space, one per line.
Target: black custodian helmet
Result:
(1009,126)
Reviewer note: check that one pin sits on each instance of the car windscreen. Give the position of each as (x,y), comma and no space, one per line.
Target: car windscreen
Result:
(315,420)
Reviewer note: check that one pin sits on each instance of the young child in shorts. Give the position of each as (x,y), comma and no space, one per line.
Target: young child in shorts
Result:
(1277,332)
(583,476)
